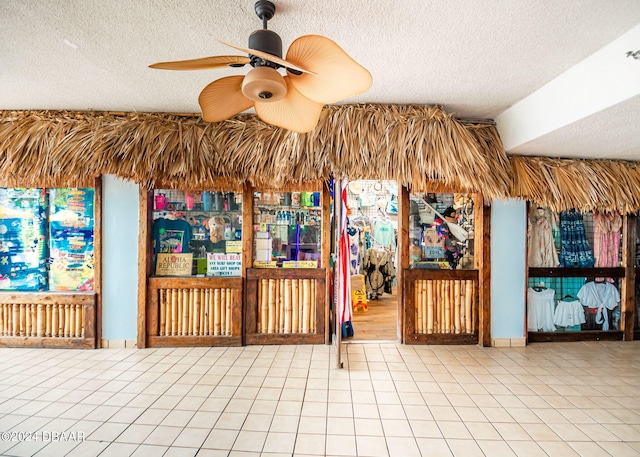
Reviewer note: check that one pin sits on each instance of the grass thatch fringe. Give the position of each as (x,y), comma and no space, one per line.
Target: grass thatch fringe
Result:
(586,185)
(415,145)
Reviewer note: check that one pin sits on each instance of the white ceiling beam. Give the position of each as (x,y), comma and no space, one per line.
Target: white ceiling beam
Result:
(602,80)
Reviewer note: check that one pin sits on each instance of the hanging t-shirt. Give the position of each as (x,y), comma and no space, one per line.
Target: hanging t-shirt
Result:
(171,235)
(540,310)
(601,295)
(569,313)
(384,234)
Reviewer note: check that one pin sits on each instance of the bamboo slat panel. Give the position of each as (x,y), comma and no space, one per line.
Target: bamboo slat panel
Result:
(195,312)
(445,306)
(42,320)
(286,306)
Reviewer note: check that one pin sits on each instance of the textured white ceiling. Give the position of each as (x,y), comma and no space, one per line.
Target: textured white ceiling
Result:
(477,58)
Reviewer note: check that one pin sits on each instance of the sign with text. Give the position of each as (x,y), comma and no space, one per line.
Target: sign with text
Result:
(168,264)
(224,264)
(233,247)
(300,264)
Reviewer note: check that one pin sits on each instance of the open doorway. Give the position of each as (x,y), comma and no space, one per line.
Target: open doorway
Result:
(373,229)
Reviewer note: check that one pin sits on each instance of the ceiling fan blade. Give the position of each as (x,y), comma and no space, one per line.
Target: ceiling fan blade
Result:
(223,98)
(269,57)
(294,112)
(202,63)
(337,76)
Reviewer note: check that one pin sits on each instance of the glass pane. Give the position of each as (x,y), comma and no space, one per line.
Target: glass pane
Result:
(23,247)
(197,233)
(71,236)
(441,231)
(287,229)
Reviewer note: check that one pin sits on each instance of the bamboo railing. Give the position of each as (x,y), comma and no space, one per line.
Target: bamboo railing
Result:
(286,306)
(42,320)
(444,306)
(195,312)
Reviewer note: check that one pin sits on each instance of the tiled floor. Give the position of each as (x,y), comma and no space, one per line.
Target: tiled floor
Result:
(567,399)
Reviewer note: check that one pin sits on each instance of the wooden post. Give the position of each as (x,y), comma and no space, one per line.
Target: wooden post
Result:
(403,256)
(306,305)
(628,296)
(247,262)
(483,259)
(145,259)
(326,255)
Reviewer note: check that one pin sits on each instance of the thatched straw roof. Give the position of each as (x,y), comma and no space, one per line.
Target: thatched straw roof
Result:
(415,145)
(422,147)
(560,184)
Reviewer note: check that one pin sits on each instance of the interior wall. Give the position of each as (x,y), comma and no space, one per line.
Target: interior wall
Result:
(119,259)
(508,268)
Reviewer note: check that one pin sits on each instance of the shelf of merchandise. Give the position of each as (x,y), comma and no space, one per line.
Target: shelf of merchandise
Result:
(625,274)
(290,305)
(446,306)
(188,311)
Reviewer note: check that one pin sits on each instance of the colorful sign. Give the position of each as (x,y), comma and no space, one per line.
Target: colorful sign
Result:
(233,247)
(174,264)
(300,264)
(224,264)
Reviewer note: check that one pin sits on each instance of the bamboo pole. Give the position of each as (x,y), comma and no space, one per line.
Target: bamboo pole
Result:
(312,325)
(2,320)
(47,318)
(79,313)
(167,319)
(457,306)
(72,320)
(281,306)
(306,293)
(163,311)
(264,319)
(54,320)
(437,306)
(216,311)
(272,306)
(287,306)
(223,311)
(300,304)
(41,320)
(468,323)
(67,323)
(60,321)
(452,301)
(174,312)
(418,306)
(26,321)
(295,316)
(228,313)
(208,299)
(447,307)
(16,320)
(430,306)
(183,317)
(425,299)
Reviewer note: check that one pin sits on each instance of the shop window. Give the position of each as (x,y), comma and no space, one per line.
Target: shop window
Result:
(287,229)
(47,239)
(441,231)
(575,270)
(197,233)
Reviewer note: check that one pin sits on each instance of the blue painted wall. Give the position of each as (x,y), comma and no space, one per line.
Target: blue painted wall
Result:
(508,266)
(119,259)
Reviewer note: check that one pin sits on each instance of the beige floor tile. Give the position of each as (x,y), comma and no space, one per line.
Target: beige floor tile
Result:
(454,430)
(526,449)
(623,431)
(589,448)
(135,433)
(340,426)
(495,448)
(444,413)
(221,439)
(371,446)
(569,432)
(284,424)
(620,449)
(483,431)
(310,444)
(313,425)
(434,447)
(119,450)
(365,410)
(368,427)
(87,448)
(402,447)
(181,452)
(396,428)
(163,436)
(231,421)
(338,445)
(425,429)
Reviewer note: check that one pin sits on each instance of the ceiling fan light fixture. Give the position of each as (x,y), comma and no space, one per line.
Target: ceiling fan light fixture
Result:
(264,84)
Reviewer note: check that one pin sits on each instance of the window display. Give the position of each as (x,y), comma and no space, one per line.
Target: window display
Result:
(197,233)
(287,229)
(46,239)
(441,231)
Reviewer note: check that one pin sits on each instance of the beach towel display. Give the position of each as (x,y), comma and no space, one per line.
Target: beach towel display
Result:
(23,247)
(71,239)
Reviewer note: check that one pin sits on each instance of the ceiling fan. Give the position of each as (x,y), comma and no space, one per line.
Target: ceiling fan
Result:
(318,72)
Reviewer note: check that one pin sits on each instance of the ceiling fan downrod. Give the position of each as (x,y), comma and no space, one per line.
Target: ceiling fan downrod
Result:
(265,40)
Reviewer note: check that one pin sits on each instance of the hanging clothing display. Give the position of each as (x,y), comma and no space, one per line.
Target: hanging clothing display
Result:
(540,310)
(602,296)
(384,234)
(379,272)
(569,313)
(575,252)
(606,239)
(542,251)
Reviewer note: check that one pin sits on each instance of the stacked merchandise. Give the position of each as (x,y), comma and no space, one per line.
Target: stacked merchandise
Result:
(71,246)
(22,239)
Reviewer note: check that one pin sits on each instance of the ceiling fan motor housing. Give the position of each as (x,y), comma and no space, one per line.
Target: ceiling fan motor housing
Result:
(265,41)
